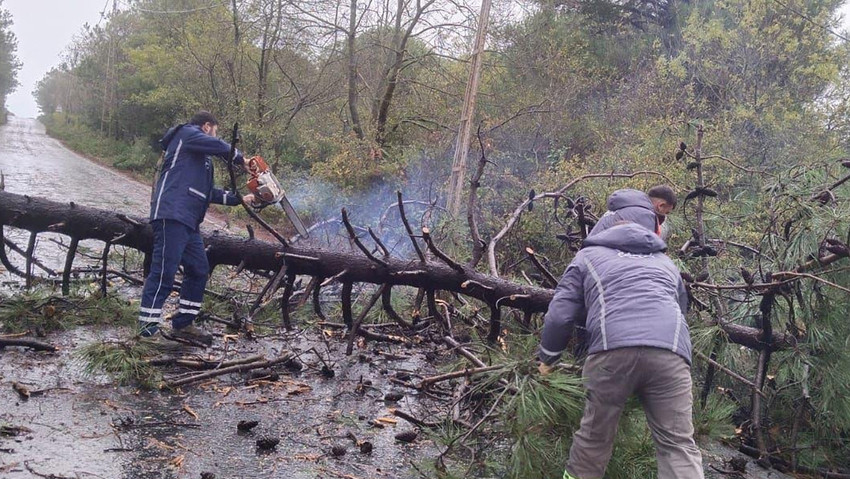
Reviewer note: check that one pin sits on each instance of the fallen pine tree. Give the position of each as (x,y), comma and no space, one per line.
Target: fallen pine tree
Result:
(38,215)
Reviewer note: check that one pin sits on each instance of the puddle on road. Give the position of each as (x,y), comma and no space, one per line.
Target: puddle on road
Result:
(96,429)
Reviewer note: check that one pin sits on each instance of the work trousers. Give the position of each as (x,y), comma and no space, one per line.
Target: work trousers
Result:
(661,379)
(175,244)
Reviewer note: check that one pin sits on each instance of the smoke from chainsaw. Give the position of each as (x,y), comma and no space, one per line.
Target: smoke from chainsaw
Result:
(319,204)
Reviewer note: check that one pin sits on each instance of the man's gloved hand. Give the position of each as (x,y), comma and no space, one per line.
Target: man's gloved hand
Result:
(545,369)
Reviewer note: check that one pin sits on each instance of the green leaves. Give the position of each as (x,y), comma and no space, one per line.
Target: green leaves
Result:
(9,63)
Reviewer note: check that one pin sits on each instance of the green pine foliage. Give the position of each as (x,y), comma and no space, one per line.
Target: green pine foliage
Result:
(9,63)
(41,311)
(125,362)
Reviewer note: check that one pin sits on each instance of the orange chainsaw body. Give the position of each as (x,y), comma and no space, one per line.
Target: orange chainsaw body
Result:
(262,183)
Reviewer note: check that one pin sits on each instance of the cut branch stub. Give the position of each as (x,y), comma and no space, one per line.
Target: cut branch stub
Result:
(550,278)
(408,228)
(426,235)
(345,299)
(353,235)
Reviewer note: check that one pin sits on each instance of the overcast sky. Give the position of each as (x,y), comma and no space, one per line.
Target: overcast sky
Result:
(45,27)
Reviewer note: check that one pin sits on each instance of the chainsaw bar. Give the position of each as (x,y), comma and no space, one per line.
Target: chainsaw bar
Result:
(293,217)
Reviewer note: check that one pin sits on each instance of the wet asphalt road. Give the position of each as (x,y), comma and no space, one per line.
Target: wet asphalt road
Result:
(37,165)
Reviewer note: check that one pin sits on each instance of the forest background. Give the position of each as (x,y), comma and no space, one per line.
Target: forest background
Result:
(350,101)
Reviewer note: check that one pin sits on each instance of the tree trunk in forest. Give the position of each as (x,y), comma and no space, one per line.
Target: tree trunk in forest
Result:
(352,70)
(395,61)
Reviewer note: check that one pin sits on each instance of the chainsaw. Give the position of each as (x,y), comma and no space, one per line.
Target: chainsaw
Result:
(267,191)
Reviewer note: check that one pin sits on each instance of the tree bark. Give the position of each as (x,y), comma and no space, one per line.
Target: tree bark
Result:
(352,70)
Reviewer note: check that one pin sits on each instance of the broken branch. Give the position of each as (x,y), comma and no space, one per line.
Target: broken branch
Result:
(426,235)
(408,228)
(550,278)
(287,357)
(27,343)
(429,381)
(357,241)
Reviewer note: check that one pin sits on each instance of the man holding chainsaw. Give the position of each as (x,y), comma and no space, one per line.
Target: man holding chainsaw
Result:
(625,297)
(179,202)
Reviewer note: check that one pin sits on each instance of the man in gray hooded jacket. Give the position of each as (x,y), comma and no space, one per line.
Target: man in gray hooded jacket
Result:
(629,299)
(626,205)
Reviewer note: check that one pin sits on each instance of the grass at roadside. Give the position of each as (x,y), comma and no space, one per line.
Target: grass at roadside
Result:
(136,158)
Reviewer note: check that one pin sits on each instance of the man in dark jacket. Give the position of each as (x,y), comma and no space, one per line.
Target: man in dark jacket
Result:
(629,299)
(179,203)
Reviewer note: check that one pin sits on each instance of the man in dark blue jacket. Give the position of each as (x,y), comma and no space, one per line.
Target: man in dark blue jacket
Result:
(628,298)
(179,202)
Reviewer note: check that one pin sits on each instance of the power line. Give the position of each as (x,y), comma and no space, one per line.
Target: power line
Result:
(808,19)
(103,12)
(177,12)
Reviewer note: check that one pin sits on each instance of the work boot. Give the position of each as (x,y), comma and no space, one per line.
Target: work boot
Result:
(148,329)
(159,342)
(192,334)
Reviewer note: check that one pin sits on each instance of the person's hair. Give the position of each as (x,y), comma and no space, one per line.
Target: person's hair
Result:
(203,117)
(663,192)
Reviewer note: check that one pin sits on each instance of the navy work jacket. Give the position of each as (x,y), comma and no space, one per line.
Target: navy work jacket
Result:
(185,188)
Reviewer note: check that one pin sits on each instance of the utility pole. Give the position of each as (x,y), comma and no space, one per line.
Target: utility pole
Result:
(108,89)
(455,190)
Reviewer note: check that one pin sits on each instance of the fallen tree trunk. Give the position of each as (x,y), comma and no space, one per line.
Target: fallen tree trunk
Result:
(39,215)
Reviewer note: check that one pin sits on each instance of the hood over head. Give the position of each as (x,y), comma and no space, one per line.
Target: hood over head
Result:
(169,135)
(629,205)
(629,198)
(629,237)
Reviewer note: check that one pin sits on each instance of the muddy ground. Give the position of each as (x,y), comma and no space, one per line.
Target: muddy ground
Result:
(84,426)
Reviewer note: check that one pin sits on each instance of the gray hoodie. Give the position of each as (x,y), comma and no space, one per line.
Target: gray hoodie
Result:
(624,290)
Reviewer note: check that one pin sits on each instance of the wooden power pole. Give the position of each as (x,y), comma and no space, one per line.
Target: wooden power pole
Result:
(455,190)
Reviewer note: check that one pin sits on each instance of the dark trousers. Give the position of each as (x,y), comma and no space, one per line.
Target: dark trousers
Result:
(661,379)
(175,244)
